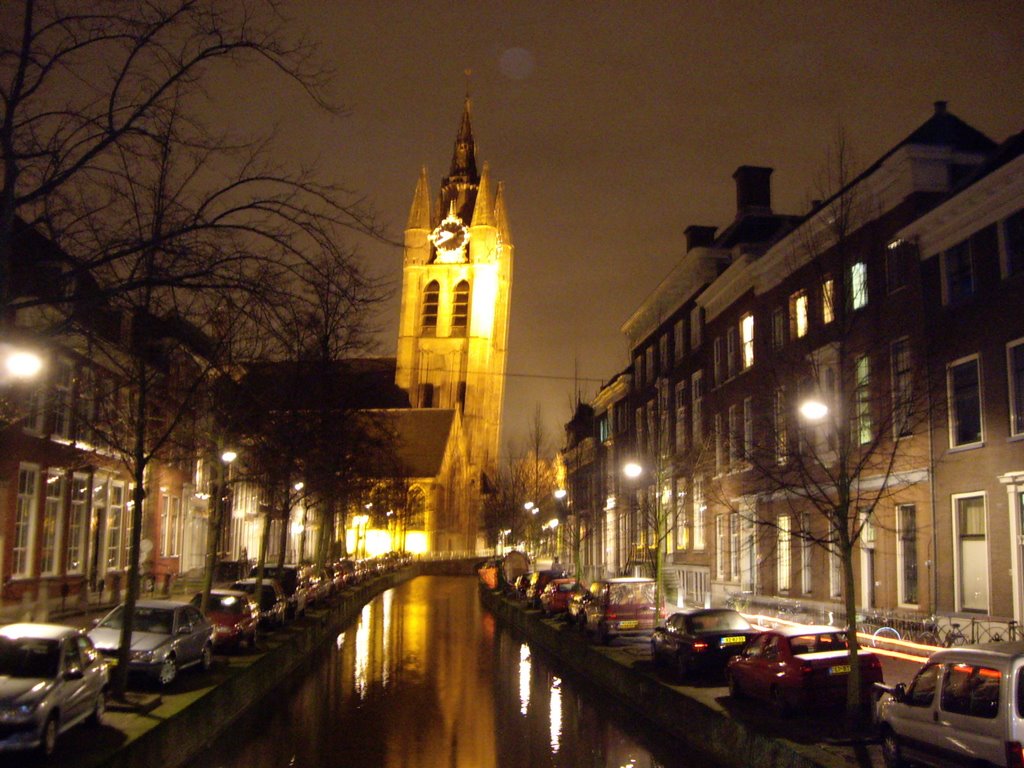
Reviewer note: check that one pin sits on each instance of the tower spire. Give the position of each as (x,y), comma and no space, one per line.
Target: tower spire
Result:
(464,156)
(419,212)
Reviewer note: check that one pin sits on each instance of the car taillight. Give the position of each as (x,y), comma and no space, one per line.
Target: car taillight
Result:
(806,670)
(611,615)
(1014,755)
(699,646)
(872,662)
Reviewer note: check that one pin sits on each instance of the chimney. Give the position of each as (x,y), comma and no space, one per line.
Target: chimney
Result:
(753,189)
(940,107)
(699,237)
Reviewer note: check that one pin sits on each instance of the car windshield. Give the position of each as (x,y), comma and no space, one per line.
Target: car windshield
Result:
(29,657)
(713,622)
(225,603)
(641,593)
(156,620)
(817,643)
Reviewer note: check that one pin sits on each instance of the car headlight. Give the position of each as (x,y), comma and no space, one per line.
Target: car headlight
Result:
(142,655)
(18,713)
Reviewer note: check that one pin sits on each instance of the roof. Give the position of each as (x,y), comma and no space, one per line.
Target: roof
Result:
(40,631)
(350,384)
(421,437)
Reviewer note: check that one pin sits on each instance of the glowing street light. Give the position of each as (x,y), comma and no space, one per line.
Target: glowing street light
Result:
(561,493)
(528,506)
(813,410)
(23,364)
(632,470)
(228,456)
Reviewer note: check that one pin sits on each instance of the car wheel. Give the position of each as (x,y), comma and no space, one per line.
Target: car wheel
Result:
(99,709)
(892,752)
(48,738)
(778,701)
(735,691)
(168,671)
(206,658)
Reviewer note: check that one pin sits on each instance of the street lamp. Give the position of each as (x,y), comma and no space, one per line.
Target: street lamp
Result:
(216,524)
(23,364)
(813,410)
(632,470)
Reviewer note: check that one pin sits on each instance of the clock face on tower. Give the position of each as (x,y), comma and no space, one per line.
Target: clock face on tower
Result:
(450,238)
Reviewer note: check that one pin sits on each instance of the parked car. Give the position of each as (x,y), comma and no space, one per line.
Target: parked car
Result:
(319,585)
(962,708)
(700,640)
(296,589)
(574,608)
(51,679)
(272,601)
(235,616)
(800,667)
(347,569)
(539,580)
(520,585)
(167,637)
(555,597)
(620,607)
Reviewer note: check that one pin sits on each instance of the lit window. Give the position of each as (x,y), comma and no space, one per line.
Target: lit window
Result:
(699,511)
(51,529)
(778,328)
(859,285)
(862,427)
(902,388)
(828,307)
(25,520)
(429,314)
(785,556)
(964,389)
(735,556)
(720,547)
(906,521)
(798,314)
(747,339)
(460,309)
(972,560)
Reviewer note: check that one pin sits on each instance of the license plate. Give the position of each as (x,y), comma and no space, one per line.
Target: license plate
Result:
(839,669)
(733,640)
(631,624)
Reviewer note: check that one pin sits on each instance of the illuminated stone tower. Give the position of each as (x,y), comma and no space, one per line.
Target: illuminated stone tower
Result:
(456,284)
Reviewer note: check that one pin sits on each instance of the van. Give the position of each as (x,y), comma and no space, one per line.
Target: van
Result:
(620,607)
(965,706)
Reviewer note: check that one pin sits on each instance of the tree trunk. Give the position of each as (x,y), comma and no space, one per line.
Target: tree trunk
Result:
(854,711)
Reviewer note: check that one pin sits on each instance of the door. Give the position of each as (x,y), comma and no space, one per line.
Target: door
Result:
(914,720)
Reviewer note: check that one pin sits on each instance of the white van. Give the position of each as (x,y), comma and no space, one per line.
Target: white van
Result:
(964,707)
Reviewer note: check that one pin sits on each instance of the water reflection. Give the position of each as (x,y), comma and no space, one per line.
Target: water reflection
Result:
(426,679)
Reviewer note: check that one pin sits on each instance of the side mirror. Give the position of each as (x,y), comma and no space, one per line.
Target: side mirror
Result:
(74,673)
(900,692)
(184,630)
(95,623)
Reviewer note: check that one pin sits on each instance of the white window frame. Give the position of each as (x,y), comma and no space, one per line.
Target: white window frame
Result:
(902,373)
(747,340)
(115,535)
(1015,389)
(958,558)
(828,299)
(806,555)
(682,428)
(697,408)
(780,425)
(26,516)
(52,523)
(858,285)
(799,318)
(951,406)
(784,556)
(699,515)
(78,523)
(902,561)
(735,547)
(720,547)
(864,428)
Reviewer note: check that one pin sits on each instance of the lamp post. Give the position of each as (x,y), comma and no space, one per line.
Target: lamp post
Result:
(213,530)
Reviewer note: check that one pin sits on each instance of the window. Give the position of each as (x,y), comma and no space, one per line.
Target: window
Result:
(697,395)
(1015,372)
(747,339)
(806,552)
(603,432)
(798,315)
(679,339)
(62,390)
(663,358)
(778,328)
(170,525)
(1013,244)
(735,556)
(859,285)
(732,350)
(25,520)
(460,309)
(699,511)
(719,447)
(748,428)
(735,436)
(835,575)
(429,314)
(906,530)
(682,428)
(651,368)
(641,424)
(426,395)
(719,369)
(115,524)
(682,530)
(958,273)
(828,294)
(972,552)
(696,327)
(785,555)
(51,528)
(964,403)
(862,427)
(972,691)
(638,369)
(902,388)
(781,426)
(76,523)
(899,257)
(720,547)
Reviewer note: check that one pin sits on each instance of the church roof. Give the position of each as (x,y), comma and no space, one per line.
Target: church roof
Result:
(352,384)
(422,436)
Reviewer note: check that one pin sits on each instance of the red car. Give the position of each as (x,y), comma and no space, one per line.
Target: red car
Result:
(555,597)
(234,616)
(800,667)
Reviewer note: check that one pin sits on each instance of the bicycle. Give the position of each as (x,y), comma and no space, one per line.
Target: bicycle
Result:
(884,634)
(935,635)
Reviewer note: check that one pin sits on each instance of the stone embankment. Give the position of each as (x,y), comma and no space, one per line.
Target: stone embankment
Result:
(699,716)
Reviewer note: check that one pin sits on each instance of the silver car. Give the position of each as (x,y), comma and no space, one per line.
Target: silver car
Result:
(51,678)
(167,636)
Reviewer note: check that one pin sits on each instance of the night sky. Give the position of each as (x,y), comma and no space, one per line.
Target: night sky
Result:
(617,125)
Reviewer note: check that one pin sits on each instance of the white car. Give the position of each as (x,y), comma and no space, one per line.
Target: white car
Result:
(964,707)
(51,678)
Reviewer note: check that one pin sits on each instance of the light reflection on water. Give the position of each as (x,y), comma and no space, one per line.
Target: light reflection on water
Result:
(426,679)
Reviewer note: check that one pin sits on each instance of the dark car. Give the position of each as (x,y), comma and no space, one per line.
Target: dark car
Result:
(700,640)
(574,607)
(292,581)
(620,607)
(51,679)
(272,602)
(235,616)
(167,636)
(800,667)
(538,581)
(554,600)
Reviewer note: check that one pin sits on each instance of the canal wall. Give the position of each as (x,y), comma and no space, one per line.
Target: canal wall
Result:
(708,730)
(172,738)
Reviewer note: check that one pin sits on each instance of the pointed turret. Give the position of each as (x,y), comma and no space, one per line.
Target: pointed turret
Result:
(483,211)
(501,215)
(419,213)
(464,156)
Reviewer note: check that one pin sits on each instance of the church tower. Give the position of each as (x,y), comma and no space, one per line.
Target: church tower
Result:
(456,285)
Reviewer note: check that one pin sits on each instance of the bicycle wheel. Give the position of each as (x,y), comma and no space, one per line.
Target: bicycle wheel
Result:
(955,638)
(927,638)
(883,634)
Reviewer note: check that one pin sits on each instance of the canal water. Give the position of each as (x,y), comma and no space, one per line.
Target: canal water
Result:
(425,678)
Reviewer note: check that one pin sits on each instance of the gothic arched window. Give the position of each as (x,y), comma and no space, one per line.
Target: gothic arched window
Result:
(460,309)
(429,317)
(416,514)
